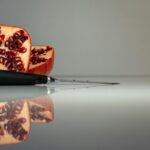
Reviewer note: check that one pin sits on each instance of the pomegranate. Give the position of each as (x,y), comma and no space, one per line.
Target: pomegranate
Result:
(41,109)
(14,122)
(41,60)
(15,48)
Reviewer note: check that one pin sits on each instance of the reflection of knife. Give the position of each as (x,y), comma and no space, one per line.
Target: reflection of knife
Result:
(17,78)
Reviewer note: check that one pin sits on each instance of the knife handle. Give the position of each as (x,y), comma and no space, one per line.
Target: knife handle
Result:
(18,78)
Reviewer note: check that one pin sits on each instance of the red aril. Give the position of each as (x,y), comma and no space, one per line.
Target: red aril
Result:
(15,48)
(42,60)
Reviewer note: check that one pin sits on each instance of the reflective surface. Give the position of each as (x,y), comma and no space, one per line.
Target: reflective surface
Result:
(32,105)
(89,116)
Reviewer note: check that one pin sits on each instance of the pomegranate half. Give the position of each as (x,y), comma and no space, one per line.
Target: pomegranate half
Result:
(41,109)
(41,60)
(14,122)
(15,48)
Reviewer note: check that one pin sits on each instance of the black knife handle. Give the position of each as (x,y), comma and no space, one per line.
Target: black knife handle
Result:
(18,78)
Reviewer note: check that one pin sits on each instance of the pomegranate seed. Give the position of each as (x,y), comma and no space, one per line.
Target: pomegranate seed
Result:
(43,59)
(22,32)
(34,51)
(6,43)
(2,51)
(19,34)
(10,39)
(10,67)
(18,44)
(4,61)
(22,50)
(22,120)
(23,38)
(2,37)
(11,46)
(48,48)
(16,36)
(20,67)
(8,64)
(11,54)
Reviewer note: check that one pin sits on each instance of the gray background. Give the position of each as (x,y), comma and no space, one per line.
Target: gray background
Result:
(91,37)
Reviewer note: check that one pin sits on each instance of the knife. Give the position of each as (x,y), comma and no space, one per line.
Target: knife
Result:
(19,78)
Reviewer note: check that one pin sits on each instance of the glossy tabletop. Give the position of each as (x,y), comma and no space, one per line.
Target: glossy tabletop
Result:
(88,116)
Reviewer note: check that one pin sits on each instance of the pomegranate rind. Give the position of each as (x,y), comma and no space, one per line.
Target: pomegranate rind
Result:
(46,103)
(43,68)
(8,139)
(26,56)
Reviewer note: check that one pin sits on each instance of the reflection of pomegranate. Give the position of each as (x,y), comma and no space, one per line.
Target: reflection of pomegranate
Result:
(15,118)
(42,60)
(14,122)
(41,109)
(15,47)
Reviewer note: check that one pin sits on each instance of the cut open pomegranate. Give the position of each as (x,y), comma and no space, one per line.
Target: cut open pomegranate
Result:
(14,122)
(42,60)
(15,48)
(41,109)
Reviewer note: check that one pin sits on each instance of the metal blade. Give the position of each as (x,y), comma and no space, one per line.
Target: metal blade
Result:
(52,79)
